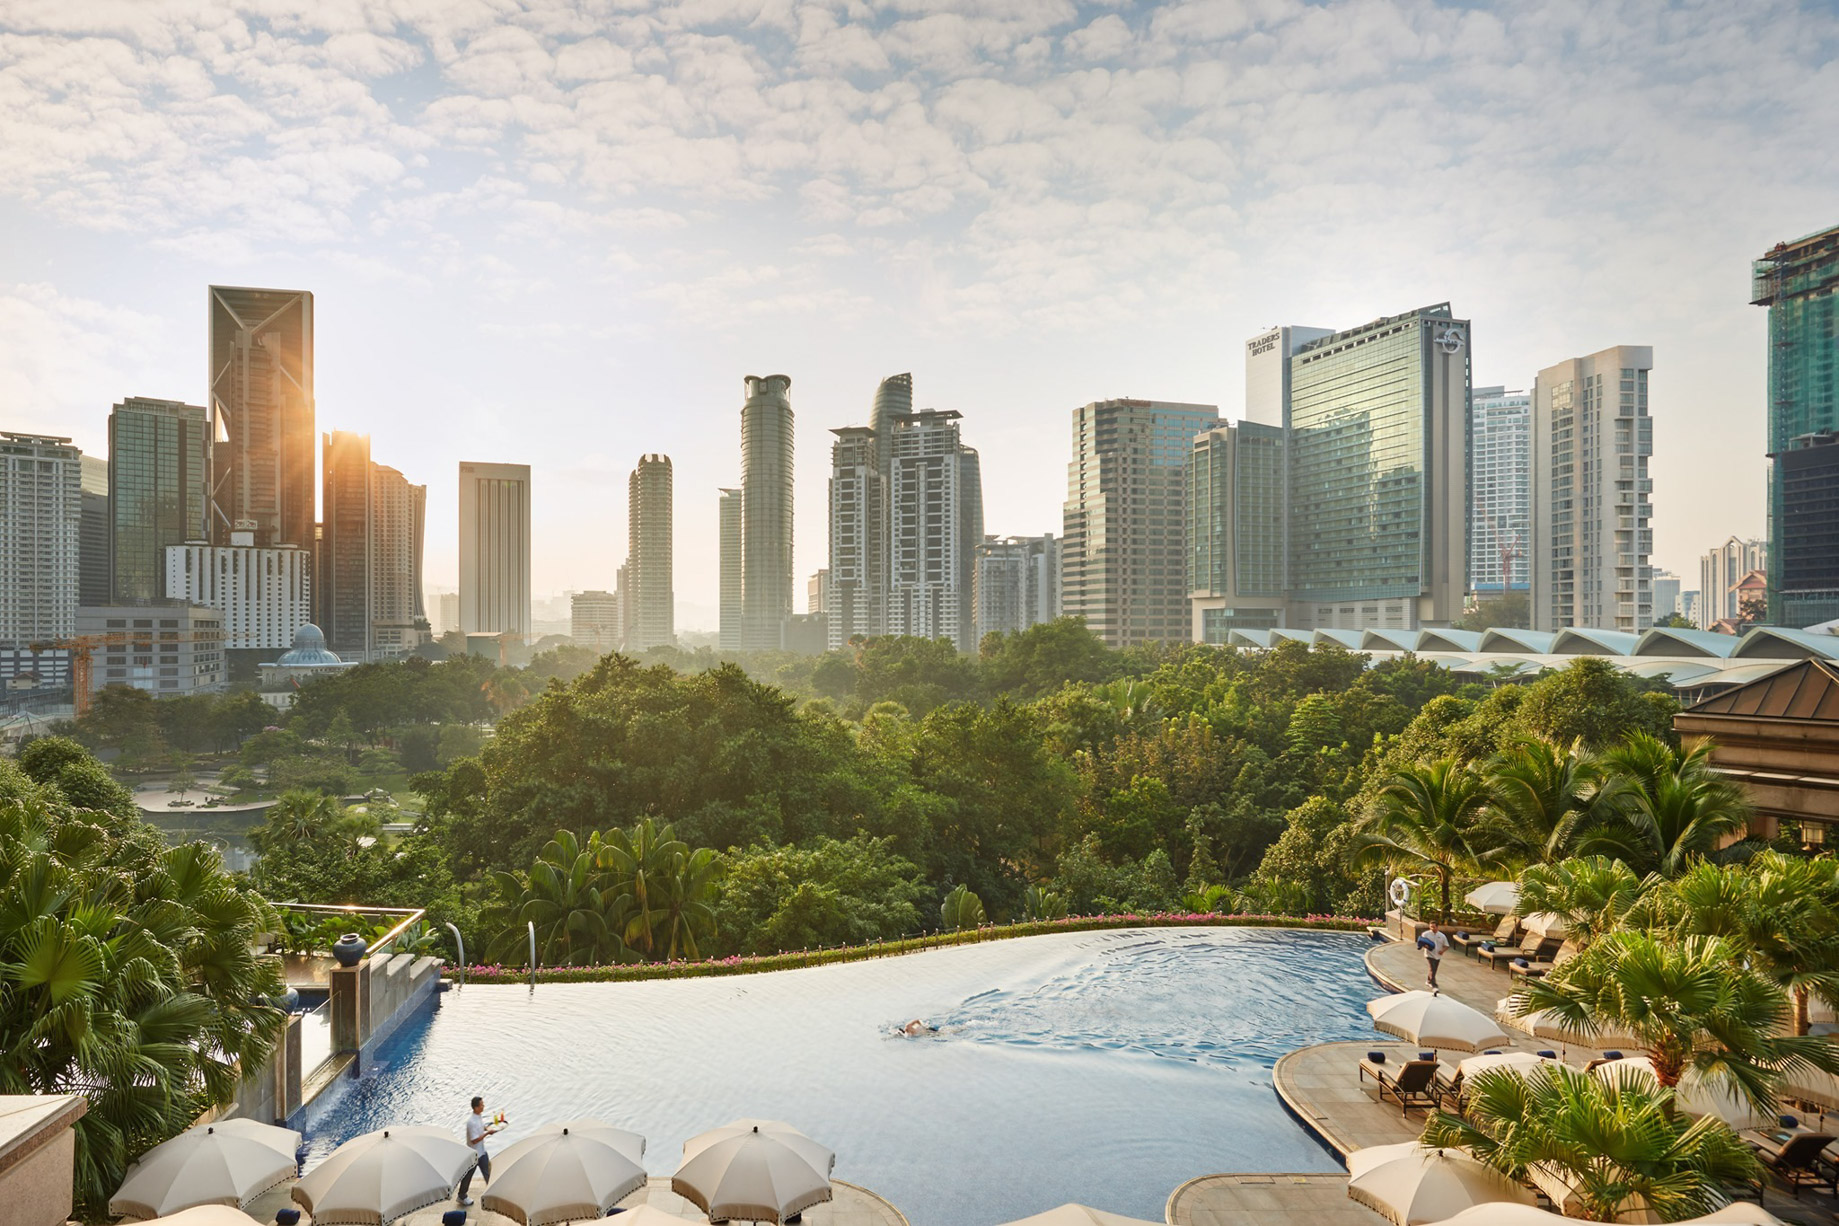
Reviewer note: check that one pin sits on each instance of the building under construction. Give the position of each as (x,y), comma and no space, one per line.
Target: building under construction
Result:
(1799,283)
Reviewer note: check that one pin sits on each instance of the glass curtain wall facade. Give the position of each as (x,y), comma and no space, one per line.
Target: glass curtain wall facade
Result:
(1379,454)
(1235,502)
(261,380)
(1799,283)
(1500,480)
(159,478)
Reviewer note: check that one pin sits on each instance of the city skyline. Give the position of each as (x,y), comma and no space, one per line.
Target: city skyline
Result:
(1031,210)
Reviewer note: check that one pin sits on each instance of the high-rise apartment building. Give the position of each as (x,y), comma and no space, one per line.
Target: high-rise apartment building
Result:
(159,485)
(1720,571)
(1799,283)
(1591,440)
(766,511)
(342,567)
(261,381)
(41,522)
(1500,485)
(263,594)
(594,621)
(930,505)
(93,561)
(1124,563)
(495,549)
(448,605)
(1015,584)
(1267,371)
(1378,474)
(1235,530)
(398,515)
(728,635)
(893,399)
(652,616)
(857,591)
(817,590)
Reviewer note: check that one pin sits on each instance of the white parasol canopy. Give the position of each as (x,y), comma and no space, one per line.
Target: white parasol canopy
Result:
(376,1178)
(230,1162)
(204,1215)
(577,1169)
(1411,1185)
(1494,897)
(1079,1215)
(1544,924)
(1547,1025)
(822,1159)
(1695,1095)
(753,1176)
(1516,1062)
(1435,1021)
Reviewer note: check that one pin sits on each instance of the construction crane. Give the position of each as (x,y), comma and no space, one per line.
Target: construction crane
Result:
(1508,552)
(83,646)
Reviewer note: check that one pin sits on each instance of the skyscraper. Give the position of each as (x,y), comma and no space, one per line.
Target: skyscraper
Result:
(41,520)
(1799,283)
(495,549)
(856,595)
(1720,571)
(1378,487)
(766,511)
(728,637)
(1591,437)
(970,535)
(594,621)
(1015,584)
(342,566)
(929,549)
(653,601)
(1267,371)
(1666,595)
(893,398)
(93,566)
(1500,483)
(1124,548)
(159,479)
(1235,530)
(261,381)
(398,511)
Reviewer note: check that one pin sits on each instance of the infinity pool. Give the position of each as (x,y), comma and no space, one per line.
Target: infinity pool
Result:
(1101,1067)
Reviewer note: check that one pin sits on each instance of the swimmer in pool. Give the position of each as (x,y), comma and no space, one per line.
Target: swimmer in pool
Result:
(916,1027)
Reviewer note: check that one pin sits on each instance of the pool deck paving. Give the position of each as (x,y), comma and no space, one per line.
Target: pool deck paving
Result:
(1268,1200)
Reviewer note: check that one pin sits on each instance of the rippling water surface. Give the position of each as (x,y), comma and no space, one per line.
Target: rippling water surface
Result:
(1101,1067)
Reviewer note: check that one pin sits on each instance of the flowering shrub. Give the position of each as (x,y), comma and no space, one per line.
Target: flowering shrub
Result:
(744,964)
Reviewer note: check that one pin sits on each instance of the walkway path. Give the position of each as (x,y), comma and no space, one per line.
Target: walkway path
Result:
(1268,1200)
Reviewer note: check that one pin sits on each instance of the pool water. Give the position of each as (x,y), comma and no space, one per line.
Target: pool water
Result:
(1100,1067)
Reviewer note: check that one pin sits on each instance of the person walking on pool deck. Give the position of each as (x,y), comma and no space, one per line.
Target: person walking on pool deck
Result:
(477,1129)
(1432,941)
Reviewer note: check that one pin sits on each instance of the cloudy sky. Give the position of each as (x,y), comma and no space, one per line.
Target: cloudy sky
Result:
(560,233)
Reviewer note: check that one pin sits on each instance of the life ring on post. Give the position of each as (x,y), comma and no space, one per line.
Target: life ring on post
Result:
(1400,892)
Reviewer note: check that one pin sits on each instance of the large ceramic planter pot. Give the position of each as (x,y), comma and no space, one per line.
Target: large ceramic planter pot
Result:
(349,949)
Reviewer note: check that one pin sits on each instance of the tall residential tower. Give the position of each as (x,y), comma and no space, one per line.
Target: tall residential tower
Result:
(1500,482)
(728,637)
(766,511)
(495,549)
(41,518)
(855,593)
(159,481)
(650,613)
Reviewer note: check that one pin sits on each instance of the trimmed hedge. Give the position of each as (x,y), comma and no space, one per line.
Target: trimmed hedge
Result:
(738,964)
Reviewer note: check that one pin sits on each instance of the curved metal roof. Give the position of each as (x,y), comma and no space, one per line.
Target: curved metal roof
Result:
(1304,637)
(1671,641)
(1390,640)
(1679,672)
(309,650)
(1585,641)
(1351,639)
(1780,643)
(1538,642)
(1257,639)
(1449,640)
(1743,674)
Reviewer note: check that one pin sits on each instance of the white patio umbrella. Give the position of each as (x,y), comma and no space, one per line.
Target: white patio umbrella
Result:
(225,1163)
(822,1159)
(1544,1024)
(1516,1062)
(1410,1184)
(648,1215)
(1505,1215)
(1434,1021)
(752,1176)
(1737,1213)
(376,1178)
(1695,1095)
(1544,924)
(578,1169)
(1494,897)
(1079,1215)
(204,1215)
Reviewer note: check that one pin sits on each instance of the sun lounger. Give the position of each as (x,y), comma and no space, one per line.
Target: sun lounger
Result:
(1502,935)
(1538,970)
(1411,1083)
(1799,1161)
(1533,952)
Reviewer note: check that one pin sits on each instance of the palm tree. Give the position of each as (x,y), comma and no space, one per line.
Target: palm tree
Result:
(1422,819)
(1780,912)
(961,909)
(688,890)
(1541,797)
(1591,894)
(638,867)
(1689,1003)
(300,815)
(1620,1144)
(560,897)
(1664,808)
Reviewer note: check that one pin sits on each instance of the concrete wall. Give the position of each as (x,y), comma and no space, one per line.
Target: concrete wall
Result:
(37,1158)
